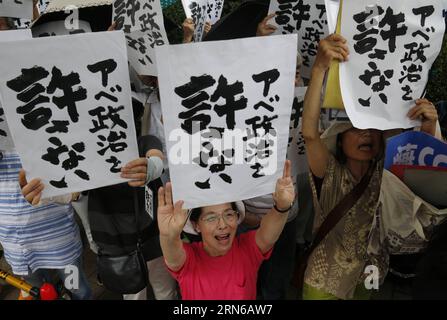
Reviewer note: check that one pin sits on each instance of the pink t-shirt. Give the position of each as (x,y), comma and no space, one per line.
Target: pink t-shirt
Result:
(229,277)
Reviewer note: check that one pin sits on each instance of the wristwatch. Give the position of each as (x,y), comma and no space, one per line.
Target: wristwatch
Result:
(282,211)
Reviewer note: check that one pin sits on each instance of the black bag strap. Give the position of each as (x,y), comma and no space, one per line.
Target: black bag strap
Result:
(137,212)
(340,210)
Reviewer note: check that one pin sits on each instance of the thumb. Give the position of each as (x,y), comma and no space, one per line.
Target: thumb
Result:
(22,178)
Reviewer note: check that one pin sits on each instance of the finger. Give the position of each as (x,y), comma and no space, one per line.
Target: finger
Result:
(112,26)
(139,169)
(422,112)
(22,178)
(36,193)
(31,186)
(36,200)
(136,163)
(136,183)
(343,52)
(337,56)
(271,27)
(271,15)
(178,210)
(337,37)
(422,101)
(168,193)
(287,169)
(161,197)
(412,111)
(343,47)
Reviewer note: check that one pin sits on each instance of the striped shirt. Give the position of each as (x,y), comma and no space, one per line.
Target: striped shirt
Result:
(44,237)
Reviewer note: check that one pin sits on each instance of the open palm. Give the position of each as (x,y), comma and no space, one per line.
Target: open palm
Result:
(285,191)
(171,218)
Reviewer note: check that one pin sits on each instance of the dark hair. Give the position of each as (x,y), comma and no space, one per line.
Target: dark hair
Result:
(9,22)
(339,154)
(195,213)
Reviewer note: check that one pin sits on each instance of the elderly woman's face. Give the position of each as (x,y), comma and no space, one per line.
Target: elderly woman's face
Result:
(3,24)
(361,145)
(217,225)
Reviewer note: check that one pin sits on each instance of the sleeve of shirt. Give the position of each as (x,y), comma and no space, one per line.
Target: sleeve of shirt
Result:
(247,242)
(145,143)
(189,262)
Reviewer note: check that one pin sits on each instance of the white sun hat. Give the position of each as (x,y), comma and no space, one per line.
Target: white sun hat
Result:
(329,136)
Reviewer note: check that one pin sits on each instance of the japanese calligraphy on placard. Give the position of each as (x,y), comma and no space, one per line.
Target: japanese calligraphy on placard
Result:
(296,151)
(392,47)
(142,22)
(214,10)
(16,9)
(70,112)
(42,5)
(197,11)
(226,111)
(6,142)
(308,19)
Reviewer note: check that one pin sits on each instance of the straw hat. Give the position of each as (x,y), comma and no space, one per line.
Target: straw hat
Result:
(329,136)
(189,228)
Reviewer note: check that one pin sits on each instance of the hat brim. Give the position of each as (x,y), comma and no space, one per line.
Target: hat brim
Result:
(329,136)
(189,228)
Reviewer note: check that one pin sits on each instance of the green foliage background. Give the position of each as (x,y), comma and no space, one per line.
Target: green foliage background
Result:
(436,88)
(437,84)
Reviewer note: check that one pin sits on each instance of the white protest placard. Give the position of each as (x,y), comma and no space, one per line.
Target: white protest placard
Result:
(21,23)
(197,11)
(226,111)
(214,10)
(59,28)
(143,24)
(296,151)
(308,19)
(332,7)
(69,111)
(42,5)
(16,9)
(6,142)
(393,45)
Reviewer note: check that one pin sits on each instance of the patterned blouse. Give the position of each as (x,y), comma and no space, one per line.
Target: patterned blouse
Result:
(337,265)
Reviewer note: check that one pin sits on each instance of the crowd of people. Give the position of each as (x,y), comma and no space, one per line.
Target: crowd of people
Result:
(247,249)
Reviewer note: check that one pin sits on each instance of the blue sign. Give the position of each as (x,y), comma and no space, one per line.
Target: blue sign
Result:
(415,148)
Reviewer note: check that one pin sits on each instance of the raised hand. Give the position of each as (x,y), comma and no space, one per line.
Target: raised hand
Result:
(188,30)
(265,29)
(171,218)
(427,113)
(330,48)
(285,191)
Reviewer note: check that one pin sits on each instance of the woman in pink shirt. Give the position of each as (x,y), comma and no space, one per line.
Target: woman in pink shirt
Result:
(222,266)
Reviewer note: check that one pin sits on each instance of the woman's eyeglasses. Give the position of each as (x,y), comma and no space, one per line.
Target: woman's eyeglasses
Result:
(229,216)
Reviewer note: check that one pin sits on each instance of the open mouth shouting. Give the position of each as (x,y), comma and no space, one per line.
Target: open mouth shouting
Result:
(223,238)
